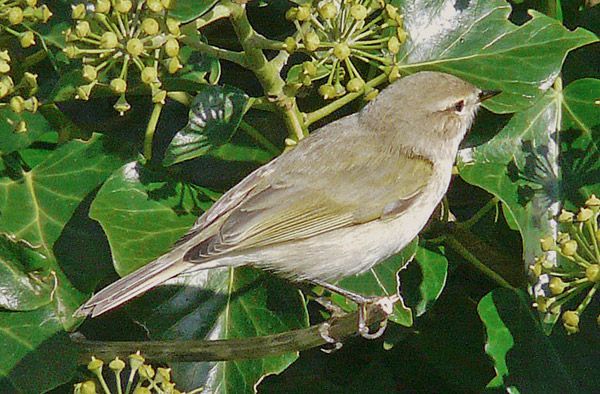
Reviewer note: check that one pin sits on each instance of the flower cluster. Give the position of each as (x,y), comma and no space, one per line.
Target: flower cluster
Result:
(148,381)
(17,16)
(112,36)
(340,34)
(15,93)
(579,269)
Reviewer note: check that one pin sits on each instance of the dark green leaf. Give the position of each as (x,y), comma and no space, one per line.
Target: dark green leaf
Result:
(13,139)
(220,304)
(21,288)
(519,166)
(143,214)
(38,203)
(214,117)
(187,10)
(524,357)
(477,42)
(381,280)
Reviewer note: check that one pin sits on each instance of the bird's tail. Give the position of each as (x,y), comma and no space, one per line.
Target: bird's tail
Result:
(136,283)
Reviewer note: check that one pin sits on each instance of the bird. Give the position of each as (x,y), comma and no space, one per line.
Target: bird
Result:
(351,194)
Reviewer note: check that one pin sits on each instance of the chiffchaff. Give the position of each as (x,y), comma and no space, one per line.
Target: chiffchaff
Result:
(348,196)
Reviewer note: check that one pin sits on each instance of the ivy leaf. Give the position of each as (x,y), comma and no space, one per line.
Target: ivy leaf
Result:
(477,42)
(144,212)
(12,137)
(214,117)
(21,288)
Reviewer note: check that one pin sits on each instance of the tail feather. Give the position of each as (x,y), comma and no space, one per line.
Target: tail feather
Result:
(134,284)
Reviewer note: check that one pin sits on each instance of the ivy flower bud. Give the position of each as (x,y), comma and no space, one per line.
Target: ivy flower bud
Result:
(571,321)
(556,285)
(4,55)
(88,387)
(31,3)
(371,94)
(15,16)
(391,11)
(328,10)
(17,104)
(103,6)
(547,243)
(117,365)
(31,104)
(78,11)
(4,67)
(82,29)
(309,69)
(71,51)
(566,216)
(585,214)
(4,90)
(142,390)
(355,85)
(43,13)
(358,12)
(150,26)
(155,6)
(135,47)
(149,75)
(95,365)
(89,72)
(327,91)
(84,92)
(562,238)
(402,35)
(118,85)
(290,14)
(174,65)
(169,4)
(592,273)
(123,6)
(303,12)
(341,51)
(159,96)
(312,41)
(136,360)
(393,45)
(109,40)
(27,39)
(394,74)
(593,201)
(122,106)
(172,47)
(290,45)
(173,26)
(569,248)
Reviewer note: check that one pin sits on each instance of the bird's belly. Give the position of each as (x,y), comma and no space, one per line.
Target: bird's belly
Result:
(344,252)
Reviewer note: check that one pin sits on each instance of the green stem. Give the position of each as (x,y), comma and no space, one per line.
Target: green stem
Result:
(252,132)
(455,244)
(151,129)
(480,214)
(266,72)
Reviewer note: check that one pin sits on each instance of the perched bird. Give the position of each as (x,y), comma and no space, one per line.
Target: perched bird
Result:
(348,196)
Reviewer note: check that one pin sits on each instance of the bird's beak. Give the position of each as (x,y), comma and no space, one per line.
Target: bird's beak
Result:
(486,94)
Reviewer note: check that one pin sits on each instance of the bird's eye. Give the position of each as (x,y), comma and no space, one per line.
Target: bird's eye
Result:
(458,107)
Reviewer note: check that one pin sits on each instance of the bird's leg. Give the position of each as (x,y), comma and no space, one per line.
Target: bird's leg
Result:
(385,304)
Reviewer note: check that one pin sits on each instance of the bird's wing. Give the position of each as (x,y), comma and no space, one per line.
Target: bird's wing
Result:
(362,181)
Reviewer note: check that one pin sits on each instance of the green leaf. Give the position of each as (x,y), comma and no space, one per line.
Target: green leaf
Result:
(434,271)
(37,204)
(519,166)
(11,139)
(21,288)
(143,213)
(381,280)
(223,303)
(580,156)
(524,358)
(37,355)
(214,117)
(478,43)
(188,10)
